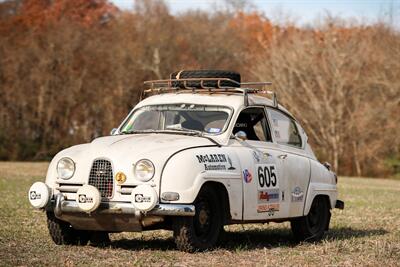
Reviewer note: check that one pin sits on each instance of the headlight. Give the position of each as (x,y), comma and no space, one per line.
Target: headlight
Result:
(65,168)
(144,170)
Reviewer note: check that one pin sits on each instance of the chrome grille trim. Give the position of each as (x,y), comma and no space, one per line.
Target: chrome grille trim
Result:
(101,177)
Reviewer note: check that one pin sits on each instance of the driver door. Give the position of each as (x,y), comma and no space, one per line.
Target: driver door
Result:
(261,167)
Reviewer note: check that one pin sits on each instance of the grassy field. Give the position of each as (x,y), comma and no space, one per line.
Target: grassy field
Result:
(367,232)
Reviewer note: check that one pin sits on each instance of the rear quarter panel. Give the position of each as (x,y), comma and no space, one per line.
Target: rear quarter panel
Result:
(322,182)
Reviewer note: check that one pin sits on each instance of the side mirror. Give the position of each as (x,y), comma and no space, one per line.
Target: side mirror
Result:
(241,135)
(113,131)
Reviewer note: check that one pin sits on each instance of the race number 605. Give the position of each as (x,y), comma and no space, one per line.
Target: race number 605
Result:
(267,176)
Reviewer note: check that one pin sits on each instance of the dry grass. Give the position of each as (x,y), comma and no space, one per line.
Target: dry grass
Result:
(367,232)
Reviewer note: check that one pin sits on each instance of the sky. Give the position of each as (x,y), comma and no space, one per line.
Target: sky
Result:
(304,12)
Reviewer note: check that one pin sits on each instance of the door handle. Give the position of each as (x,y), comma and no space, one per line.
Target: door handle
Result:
(283,156)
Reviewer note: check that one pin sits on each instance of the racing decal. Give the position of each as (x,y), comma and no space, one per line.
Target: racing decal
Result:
(82,198)
(214,130)
(139,198)
(33,195)
(256,156)
(268,196)
(241,125)
(247,176)
(297,194)
(277,134)
(215,162)
(270,208)
(267,176)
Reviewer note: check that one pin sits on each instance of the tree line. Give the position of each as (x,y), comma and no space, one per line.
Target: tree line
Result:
(71,70)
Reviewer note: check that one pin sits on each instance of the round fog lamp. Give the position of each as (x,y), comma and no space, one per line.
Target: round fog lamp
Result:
(88,198)
(39,195)
(120,177)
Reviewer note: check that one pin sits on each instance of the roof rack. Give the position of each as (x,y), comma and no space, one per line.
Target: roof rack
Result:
(174,85)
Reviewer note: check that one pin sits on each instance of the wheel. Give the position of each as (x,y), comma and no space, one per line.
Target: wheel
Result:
(206,74)
(99,238)
(201,231)
(62,232)
(312,227)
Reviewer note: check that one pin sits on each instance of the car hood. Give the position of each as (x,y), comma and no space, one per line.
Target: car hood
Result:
(125,150)
(145,144)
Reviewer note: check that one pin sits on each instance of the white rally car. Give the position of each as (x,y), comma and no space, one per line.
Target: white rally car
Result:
(201,151)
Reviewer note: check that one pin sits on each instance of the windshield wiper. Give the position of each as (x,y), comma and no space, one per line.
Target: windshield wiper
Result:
(170,130)
(138,131)
(194,132)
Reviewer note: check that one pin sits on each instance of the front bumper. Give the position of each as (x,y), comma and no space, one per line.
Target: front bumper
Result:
(60,206)
(114,216)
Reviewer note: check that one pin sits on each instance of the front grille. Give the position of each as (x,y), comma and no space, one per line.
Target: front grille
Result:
(101,177)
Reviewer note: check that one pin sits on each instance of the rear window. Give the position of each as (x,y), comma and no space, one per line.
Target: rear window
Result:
(284,129)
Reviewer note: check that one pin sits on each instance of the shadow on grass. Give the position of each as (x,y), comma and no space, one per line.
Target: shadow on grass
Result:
(249,239)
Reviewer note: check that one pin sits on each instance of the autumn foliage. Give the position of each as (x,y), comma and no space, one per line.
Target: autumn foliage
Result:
(71,70)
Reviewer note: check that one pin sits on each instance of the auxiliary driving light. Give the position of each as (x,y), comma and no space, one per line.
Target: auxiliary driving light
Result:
(39,195)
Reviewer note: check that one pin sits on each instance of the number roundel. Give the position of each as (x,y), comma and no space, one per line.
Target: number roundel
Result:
(267,176)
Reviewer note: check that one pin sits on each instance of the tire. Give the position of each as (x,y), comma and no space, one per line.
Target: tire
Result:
(99,238)
(201,231)
(206,74)
(312,227)
(62,232)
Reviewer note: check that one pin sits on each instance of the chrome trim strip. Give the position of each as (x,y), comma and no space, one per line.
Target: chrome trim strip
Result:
(67,189)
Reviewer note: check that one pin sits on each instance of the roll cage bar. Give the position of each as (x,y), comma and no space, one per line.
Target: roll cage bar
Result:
(170,86)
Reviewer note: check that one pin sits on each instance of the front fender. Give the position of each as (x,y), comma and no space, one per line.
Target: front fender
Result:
(186,172)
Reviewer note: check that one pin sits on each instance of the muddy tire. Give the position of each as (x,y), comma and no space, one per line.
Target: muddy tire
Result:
(200,232)
(312,227)
(206,74)
(62,232)
(99,238)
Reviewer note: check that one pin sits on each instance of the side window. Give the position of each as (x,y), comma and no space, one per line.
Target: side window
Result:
(253,122)
(284,129)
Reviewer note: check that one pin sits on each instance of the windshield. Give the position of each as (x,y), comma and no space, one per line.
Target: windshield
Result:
(178,117)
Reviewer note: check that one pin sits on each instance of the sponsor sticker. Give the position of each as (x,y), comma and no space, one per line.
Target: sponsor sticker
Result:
(297,194)
(139,198)
(247,176)
(82,198)
(241,125)
(214,130)
(256,156)
(268,196)
(33,195)
(270,208)
(215,162)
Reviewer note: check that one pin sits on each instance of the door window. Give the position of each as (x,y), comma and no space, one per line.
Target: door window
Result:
(253,122)
(284,129)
